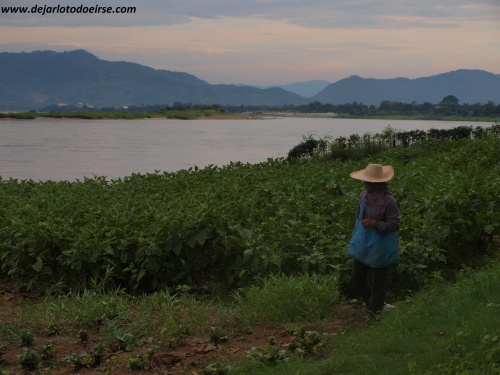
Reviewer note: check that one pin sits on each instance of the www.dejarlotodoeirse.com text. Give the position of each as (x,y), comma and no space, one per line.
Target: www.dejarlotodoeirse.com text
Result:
(67,9)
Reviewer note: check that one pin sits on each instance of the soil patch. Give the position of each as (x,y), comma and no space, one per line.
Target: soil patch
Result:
(191,355)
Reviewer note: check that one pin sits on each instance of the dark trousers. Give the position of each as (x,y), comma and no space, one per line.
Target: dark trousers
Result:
(370,283)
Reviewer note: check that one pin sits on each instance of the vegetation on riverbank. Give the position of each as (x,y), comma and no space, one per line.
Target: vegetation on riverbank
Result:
(448,109)
(192,113)
(135,268)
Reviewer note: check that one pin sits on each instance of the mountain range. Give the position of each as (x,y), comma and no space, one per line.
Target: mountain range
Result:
(33,80)
(469,86)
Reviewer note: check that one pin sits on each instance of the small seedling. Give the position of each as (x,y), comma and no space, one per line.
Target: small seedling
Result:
(216,369)
(98,353)
(97,323)
(83,336)
(27,338)
(29,359)
(137,361)
(217,335)
(125,341)
(53,329)
(82,360)
(47,351)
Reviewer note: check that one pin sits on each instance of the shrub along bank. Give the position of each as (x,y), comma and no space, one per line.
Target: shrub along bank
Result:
(233,224)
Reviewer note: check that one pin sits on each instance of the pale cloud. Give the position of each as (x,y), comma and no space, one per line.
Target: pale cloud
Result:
(273,41)
(308,13)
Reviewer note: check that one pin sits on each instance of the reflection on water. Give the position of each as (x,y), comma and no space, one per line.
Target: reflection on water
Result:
(52,149)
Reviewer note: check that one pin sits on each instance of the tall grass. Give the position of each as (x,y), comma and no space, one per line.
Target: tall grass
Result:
(283,299)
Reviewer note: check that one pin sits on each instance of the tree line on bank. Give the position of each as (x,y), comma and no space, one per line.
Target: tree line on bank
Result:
(448,106)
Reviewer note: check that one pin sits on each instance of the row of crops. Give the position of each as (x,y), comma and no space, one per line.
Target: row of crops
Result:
(233,224)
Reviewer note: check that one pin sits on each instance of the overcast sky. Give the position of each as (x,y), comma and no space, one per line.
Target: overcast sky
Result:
(266,42)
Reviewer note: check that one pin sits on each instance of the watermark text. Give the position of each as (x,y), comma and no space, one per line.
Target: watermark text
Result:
(67,9)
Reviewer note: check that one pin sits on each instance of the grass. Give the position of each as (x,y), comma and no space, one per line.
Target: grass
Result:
(444,329)
(289,299)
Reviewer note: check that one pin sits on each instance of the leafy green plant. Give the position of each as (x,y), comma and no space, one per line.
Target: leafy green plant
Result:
(175,330)
(27,338)
(136,362)
(268,355)
(98,352)
(53,329)
(217,335)
(9,331)
(47,351)
(140,361)
(83,360)
(127,341)
(307,342)
(216,369)
(29,359)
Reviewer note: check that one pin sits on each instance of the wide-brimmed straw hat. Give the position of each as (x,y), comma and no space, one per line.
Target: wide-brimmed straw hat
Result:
(374,173)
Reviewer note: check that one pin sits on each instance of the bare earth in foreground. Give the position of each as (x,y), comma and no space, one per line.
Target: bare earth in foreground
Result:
(192,355)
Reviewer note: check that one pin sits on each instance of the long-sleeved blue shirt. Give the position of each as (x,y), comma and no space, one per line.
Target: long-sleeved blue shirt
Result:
(387,215)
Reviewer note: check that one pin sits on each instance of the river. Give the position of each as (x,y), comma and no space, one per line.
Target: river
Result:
(63,149)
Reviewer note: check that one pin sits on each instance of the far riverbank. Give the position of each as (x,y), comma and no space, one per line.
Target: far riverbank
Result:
(218,114)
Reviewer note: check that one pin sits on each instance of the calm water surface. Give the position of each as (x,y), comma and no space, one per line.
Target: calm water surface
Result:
(48,149)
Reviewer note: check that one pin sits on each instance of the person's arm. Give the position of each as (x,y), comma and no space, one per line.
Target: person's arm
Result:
(390,222)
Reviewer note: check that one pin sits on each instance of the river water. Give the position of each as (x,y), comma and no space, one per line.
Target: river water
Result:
(62,149)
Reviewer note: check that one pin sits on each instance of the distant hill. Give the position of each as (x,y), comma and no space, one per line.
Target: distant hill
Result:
(307,89)
(469,86)
(37,79)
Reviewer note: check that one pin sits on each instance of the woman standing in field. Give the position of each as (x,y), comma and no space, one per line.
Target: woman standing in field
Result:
(374,243)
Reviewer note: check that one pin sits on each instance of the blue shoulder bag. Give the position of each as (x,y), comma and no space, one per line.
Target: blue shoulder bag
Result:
(370,247)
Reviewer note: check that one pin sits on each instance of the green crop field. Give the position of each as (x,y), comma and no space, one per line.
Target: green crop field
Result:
(233,224)
(117,275)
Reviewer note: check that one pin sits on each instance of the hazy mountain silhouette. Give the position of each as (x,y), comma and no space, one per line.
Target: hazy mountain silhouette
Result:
(469,86)
(37,79)
(307,89)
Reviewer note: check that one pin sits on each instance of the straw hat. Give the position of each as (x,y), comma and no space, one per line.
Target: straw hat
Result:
(374,173)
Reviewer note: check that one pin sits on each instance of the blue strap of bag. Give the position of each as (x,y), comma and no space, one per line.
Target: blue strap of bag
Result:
(361,209)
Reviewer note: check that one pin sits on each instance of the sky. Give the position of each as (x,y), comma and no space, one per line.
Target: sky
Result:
(269,42)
